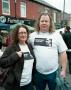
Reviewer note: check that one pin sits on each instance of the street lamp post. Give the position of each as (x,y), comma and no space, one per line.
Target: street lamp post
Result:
(15,8)
(63,12)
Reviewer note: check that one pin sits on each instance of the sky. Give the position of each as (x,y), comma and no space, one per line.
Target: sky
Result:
(60,3)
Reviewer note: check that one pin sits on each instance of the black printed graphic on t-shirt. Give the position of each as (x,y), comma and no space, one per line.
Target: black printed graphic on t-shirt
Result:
(43,42)
(27,56)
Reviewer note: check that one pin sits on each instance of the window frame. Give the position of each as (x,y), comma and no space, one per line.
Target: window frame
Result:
(23,5)
(4,9)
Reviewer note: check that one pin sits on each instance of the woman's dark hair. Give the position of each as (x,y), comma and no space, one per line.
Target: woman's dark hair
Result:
(15,33)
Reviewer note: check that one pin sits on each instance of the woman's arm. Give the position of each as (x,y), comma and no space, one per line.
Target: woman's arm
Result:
(9,57)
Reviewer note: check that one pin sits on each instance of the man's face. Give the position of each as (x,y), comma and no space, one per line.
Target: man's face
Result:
(44,23)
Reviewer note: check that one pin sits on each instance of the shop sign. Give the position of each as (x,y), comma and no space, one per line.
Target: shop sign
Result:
(2,19)
(13,20)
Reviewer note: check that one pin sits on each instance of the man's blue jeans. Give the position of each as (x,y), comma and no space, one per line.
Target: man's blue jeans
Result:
(40,81)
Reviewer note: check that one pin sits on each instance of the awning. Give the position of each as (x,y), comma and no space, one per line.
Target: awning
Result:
(4,26)
(31,29)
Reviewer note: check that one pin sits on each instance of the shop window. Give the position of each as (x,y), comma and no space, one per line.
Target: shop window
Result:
(6,7)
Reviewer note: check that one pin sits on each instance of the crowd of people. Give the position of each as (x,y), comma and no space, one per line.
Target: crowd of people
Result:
(34,58)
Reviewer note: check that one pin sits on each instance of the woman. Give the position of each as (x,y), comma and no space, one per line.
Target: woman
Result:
(18,58)
(46,45)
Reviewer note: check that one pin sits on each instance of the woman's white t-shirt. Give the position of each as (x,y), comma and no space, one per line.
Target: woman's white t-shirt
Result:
(26,76)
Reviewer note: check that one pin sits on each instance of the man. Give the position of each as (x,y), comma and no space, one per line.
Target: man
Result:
(67,39)
(46,45)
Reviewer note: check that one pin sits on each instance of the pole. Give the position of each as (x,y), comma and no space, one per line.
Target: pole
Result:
(63,12)
(15,8)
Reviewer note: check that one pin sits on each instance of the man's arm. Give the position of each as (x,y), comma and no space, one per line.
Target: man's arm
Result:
(63,62)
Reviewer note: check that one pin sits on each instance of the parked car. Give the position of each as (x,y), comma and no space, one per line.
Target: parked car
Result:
(60,30)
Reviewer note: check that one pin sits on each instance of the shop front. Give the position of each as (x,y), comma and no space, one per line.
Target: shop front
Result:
(4,26)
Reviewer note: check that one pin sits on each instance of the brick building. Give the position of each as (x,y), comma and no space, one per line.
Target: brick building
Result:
(26,11)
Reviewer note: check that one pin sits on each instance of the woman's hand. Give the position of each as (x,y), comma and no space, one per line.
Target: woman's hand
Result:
(19,53)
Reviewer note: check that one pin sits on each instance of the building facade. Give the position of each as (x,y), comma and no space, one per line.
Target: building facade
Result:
(27,12)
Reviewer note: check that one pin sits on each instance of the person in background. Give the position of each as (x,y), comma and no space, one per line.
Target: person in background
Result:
(67,39)
(46,45)
(0,40)
(1,44)
(18,57)
(9,39)
(67,29)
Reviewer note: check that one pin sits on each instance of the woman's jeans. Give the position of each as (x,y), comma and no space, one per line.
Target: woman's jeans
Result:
(40,81)
(27,87)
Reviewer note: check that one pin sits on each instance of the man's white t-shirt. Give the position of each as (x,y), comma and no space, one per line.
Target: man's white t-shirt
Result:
(26,76)
(46,47)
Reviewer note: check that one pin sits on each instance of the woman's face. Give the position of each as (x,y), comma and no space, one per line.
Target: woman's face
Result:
(22,35)
(44,23)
